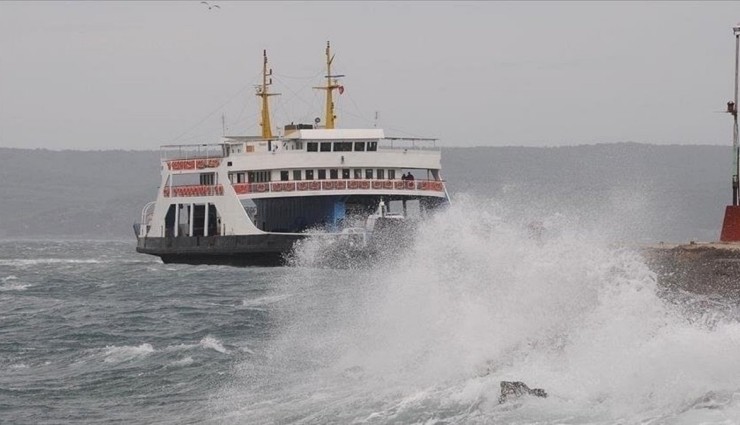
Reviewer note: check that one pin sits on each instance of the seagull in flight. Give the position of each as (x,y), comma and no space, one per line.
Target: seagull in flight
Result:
(210,6)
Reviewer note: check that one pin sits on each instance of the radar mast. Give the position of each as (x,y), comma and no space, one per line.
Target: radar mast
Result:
(262,91)
(331,84)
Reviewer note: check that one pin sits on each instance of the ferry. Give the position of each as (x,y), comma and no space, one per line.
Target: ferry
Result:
(248,200)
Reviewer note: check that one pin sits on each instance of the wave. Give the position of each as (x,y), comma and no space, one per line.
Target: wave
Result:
(213,344)
(115,354)
(15,287)
(24,262)
(477,299)
(185,361)
(118,354)
(18,366)
(27,262)
(10,283)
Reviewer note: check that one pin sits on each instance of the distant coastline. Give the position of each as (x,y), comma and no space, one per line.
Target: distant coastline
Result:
(675,193)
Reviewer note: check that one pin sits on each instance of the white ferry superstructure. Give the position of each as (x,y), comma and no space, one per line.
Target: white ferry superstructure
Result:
(248,199)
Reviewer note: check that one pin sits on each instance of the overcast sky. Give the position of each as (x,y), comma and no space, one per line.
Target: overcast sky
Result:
(135,75)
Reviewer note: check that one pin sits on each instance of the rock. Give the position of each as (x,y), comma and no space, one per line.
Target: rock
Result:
(514,389)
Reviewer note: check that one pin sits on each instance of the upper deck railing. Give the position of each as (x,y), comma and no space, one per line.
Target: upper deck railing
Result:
(200,151)
(257,146)
(408,143)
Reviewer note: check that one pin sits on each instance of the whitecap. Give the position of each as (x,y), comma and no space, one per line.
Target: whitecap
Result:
(24,262)
(213,344)
(14,287)
(182,362)
(114,354)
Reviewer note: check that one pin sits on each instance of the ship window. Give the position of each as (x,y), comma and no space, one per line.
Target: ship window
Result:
(240,177)
(298,146)
(342,146)
(284,175)
(358,173)
(345,173)
(257,176)
(372,146)
(312,147)
(229,163)
(381,174)
(322,174)
(309,174)
(391,174)
(333,174)
(207,179)
(296,174)
(325,146)
(369,173)
(359,146)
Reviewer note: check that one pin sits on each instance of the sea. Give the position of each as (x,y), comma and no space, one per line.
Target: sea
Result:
(92,332)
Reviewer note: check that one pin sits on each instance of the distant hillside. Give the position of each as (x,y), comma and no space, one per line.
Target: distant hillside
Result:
(636,192)
(645,192)
(94,194)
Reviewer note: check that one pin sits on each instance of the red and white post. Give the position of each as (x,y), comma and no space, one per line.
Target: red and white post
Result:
(731,223)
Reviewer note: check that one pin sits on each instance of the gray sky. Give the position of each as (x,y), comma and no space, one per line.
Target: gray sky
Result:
(134,75)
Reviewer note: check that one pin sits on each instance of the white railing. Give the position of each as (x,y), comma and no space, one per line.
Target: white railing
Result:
(142,227)
(408,143)
(202,151)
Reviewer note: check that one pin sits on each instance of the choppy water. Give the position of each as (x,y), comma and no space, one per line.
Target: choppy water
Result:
(91,332)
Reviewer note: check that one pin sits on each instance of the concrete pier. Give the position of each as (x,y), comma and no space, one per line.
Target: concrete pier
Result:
(699,267)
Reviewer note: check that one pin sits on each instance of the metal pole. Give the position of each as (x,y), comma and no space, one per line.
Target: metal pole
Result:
(177,220)
(191,218)
(735,150)
(205,221)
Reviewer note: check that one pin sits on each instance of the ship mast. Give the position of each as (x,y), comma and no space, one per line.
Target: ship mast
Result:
(263,92)
(331,85)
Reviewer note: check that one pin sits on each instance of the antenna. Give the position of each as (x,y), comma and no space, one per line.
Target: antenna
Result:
(377,114)
(223,125)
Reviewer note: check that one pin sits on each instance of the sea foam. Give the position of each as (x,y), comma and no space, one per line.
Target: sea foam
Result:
(11,283)
(213,344)
(478,299)
(115,354)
